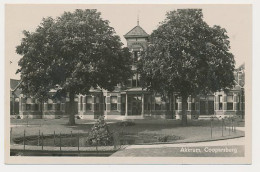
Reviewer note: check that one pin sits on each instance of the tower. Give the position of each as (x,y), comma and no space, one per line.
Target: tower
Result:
(136,40)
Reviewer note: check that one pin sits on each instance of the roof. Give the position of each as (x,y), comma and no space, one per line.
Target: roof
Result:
(239,77)
(241,67)
(14,83)
(137,31)
(135,89)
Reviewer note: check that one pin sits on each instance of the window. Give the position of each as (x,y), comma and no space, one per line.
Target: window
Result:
(123,101)
(147,102)
(50,102)
(36,107)
(241,79)
(28,103)
(229,102)
(238,103)
(240,75)
(135,56)
(58,107)
(149,106)
(167,102)
(135,80)
(129,83)
(97,104)
(49,106)
(242,102)
(88,103)
(236,76)
(113,100)
(28,106)
(193,104)
(176,102)
(220,98)
(158,103)
(81,103)
(138,56)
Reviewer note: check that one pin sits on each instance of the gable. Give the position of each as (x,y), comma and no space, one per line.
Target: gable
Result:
(137,31)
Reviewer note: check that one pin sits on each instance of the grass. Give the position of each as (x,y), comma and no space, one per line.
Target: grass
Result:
(197,130)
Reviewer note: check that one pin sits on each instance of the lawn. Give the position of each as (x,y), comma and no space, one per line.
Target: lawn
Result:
(197,130)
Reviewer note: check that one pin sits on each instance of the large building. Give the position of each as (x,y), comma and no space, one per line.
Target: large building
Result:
(132,102)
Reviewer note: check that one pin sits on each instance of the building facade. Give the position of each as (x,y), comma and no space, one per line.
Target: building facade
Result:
(132,102)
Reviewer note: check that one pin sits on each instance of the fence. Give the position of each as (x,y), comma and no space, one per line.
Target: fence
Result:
(63,142)
(58,141)
(228,126)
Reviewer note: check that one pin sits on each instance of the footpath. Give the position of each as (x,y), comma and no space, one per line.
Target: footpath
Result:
(220,148)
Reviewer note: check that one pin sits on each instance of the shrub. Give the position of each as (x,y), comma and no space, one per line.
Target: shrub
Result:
(100,134)
(163,139)
(126,123)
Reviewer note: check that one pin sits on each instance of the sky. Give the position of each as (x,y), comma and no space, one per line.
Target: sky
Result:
(236,19)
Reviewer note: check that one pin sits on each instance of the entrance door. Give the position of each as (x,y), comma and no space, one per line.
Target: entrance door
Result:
(136,105)
(203,107)
(211,107)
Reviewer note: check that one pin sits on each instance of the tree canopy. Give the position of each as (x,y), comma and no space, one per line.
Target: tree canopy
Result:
(76,51)
(187,56)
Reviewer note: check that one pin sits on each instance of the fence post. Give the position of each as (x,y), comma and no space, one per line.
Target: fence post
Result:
(211,127)
(225,125)
(96,145)
(54,138)
(27,121)
(229,127)
(71,141)
(60,141)
(24,139)
(78,141)
(42,140)
(235,127)
(222,126)
(39,137)
(233,123)
(114,140)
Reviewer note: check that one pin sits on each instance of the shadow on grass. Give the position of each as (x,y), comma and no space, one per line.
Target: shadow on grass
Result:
(148,125)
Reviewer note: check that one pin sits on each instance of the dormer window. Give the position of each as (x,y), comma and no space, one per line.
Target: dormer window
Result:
(136,56)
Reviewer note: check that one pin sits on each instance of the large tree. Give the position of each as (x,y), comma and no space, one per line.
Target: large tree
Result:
(188,57)
(76,52)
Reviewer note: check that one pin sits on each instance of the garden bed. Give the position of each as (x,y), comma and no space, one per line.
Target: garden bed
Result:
(75,140)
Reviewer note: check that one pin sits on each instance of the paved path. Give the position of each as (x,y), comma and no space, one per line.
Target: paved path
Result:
(220,148)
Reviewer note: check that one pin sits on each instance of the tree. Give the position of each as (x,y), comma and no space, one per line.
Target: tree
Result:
(188,57)
(76,52)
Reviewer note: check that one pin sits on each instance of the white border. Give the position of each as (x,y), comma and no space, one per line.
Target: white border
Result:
(255,87)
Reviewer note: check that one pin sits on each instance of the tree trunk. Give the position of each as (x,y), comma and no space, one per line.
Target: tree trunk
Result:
(170,105)
(41,108)
(184,120)
(71,108)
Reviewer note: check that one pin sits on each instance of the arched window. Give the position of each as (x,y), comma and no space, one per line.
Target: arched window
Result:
(230,102)
(113,100)
(89,103)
